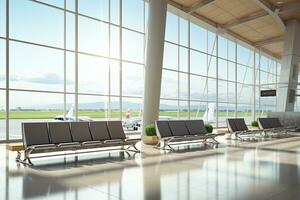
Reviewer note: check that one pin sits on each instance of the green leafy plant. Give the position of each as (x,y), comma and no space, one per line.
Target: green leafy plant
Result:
(209,128)
(150,130)
(254,124)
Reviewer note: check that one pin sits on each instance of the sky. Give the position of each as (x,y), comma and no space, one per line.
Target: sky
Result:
(39,68)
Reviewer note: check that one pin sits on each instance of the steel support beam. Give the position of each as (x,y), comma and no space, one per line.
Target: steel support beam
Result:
(198,5)
(273,12)
(268,41)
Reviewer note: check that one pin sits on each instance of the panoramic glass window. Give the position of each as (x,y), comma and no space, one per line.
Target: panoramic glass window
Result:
(2,64)
(133,14)
(2,115)
(94,8)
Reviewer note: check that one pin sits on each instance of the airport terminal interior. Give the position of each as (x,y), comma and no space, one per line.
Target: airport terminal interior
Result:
(149,99)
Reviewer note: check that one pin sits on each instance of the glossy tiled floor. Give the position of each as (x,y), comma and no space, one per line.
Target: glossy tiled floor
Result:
(249,170)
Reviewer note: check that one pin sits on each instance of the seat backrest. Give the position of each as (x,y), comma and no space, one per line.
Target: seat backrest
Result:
(178,128)
(99,130)
(59,132)
(196,127)
(275,123)
(240,124)
(35,134)
(162,128)
(263,123)
(231,125)
(80,131)
(115,129)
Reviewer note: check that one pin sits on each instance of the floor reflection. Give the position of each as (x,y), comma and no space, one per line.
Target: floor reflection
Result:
(253,170)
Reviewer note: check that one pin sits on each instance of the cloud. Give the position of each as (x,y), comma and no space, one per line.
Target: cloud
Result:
(50,78)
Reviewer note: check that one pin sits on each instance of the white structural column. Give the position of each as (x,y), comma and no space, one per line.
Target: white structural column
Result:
(154,59)
(290,68)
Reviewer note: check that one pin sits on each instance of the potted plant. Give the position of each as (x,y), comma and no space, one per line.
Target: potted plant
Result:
(254,124)
(209,128)
(150,136)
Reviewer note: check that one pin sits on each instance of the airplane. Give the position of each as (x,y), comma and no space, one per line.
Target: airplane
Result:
(70,117)
(208,116)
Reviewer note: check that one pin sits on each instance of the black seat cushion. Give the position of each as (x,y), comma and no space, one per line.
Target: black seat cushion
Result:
(196,127)
(275,123)
(60,132)
(163,129)
(115,129)
(231,125)
(178,128)
(35,134)
(80,131)
(240,124)
(99,131)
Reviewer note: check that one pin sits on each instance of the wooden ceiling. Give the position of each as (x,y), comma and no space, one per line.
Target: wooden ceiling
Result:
(260,23)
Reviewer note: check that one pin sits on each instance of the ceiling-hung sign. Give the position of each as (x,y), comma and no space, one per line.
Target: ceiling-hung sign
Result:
(268,93)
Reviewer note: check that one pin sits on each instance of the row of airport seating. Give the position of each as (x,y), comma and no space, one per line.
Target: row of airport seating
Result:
(61,136)
(267,126)
(173,132)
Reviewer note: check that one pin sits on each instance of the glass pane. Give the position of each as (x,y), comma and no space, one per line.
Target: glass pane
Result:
(36,68)
(115,11)
(70,72)
(231,92)
(133,46)
(70,31)
(222,90)
(244,74)
(212,66)
(170,56)
(133,14)
(231,71)
(198,88)
(2,18)
(222,47)
(212,89)
(132,79)
(94,8)
(114,77)
(222,69)
(168,109)
(92,74)
(245,94)
(244,55)
(172,28)
(211,43)
(245,111)
(198,63)
(2,115)
(197,109)
(115,108)
(183,110)
(183,59)
(28,27)
(169,85)
(2,63)
(184,32)
(198,37)
(31,107)
(114,42)
(183,86)
(92,36)
(231,50)
(92,107)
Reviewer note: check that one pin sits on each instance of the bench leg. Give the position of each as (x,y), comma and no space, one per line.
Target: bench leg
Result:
(18,158)
(135,149)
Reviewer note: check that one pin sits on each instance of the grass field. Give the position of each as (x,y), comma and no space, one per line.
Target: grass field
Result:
(97,114)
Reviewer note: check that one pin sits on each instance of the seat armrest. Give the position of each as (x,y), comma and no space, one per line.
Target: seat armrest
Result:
(113,141)
(69,144)
(91,142)
(42,146)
